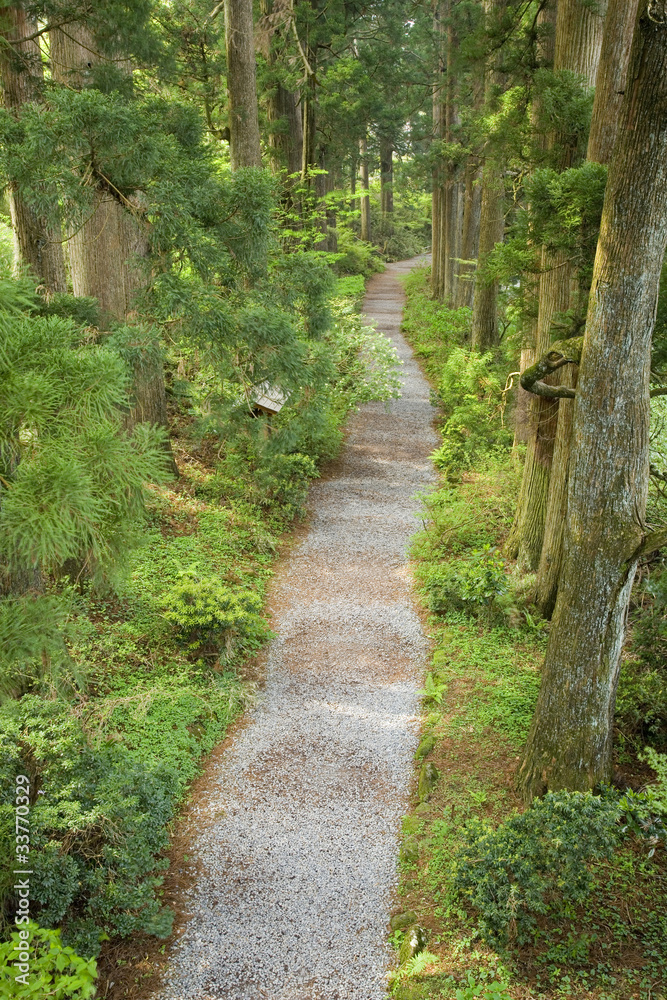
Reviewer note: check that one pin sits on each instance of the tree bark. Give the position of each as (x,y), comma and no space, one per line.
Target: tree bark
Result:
(472,206)
(570,741)
(365,198)
(551,556)
(577,49)
(452,240)
(286,129)
(611,76)
(386,177)
(484,332)
(439,198)
(285,133)
(491,230)
(579,37)
(37,241)
(244,143)
(524,416)
(610,80)
(523,424)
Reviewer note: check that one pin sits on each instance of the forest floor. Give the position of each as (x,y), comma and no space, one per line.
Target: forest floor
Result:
(294,829)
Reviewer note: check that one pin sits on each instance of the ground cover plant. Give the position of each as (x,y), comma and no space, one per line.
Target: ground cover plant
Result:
(564,898)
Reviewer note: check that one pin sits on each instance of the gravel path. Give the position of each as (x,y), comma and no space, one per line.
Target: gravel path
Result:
(299,836)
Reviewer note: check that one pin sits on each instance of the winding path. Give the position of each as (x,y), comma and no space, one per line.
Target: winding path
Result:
(299,837)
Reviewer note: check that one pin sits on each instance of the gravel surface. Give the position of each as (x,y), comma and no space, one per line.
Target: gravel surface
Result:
(298,842)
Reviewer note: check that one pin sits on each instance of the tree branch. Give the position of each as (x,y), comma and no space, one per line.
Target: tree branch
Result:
(653,541)
(563,352)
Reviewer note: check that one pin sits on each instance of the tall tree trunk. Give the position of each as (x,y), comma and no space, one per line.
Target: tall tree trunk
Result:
(107,252)
(286,129)
(492,220)
(365,198)
(285,134)
(570,740)
(37,241)
(309,147)
(355,204)
(577,49)
(472,207)
(491,230)
(525,415)
(439,202)
(387,177)
(332,235)
(244,144)
(610,80)
(551,556)
(611,75)
(452,240)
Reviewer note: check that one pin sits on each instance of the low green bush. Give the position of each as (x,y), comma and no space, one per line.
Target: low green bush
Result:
(535,863)
(209,617)
(473,582)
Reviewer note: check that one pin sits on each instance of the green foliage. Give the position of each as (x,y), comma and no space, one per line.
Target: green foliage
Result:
(473,582)
(535,862)
(55,970)
(563,106)
(355,256)
(480,988)
(646,811)
(641,701)
(649,641)
(209,617)
(33,633)
(72,483)
(112,780)
(470,391)
(657,794)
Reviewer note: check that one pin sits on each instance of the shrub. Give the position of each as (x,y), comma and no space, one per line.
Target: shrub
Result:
(282,482)
(105,777)
(96,830)
(650,632)
(209,617)
(55,971)
(354,256)
(473,582)
(646,811)
(470,394)
(641,701)
(33,630)
(534,863)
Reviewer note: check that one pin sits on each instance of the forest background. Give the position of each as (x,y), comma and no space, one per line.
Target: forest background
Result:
(194,195)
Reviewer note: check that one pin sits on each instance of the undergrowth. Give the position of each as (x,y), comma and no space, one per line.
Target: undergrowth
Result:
(153,671)
(564,899)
